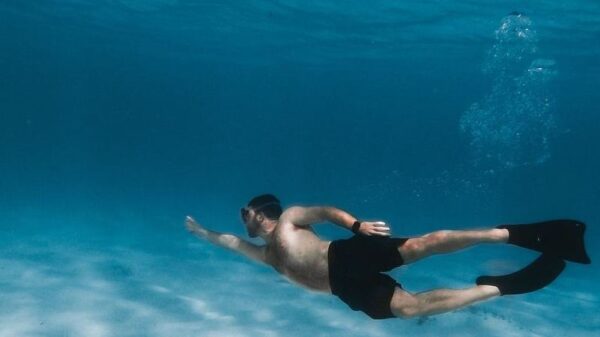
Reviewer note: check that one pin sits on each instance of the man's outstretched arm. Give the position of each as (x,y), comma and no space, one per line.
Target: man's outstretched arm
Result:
(306,216)
(229,241)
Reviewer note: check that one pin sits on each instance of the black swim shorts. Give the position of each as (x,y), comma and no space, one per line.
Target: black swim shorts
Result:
(355,272)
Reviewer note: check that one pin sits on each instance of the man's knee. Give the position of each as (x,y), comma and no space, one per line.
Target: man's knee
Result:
(417,248)
(406,312)
(437,236)
(404,305)
(435,241)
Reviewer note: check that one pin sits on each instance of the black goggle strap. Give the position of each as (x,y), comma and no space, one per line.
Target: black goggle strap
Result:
(256,209)
(265,205)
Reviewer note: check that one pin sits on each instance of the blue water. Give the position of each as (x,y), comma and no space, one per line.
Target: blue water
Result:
(120,117)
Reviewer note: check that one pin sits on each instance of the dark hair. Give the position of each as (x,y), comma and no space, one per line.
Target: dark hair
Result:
(272,208)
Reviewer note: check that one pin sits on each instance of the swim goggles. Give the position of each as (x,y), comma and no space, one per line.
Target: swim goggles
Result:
(245,211)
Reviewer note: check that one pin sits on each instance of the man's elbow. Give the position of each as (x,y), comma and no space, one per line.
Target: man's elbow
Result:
(229,241)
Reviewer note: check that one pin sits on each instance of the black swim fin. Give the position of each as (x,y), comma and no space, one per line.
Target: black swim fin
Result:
(535,276)
(560,238)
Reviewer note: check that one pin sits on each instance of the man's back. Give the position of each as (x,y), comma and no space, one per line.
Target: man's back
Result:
(298,253)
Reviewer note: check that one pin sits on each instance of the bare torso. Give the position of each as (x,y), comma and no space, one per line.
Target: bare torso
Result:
(299,254)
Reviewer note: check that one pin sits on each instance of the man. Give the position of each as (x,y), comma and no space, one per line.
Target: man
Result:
(353,269)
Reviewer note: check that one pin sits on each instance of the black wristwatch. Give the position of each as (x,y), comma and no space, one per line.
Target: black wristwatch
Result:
(356,227)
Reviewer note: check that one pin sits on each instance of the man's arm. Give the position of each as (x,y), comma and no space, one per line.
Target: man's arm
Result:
(229,241)
(306,216)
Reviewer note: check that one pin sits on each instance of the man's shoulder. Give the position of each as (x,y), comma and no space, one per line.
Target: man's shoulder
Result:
(292,211)
(304,216)
(290,216)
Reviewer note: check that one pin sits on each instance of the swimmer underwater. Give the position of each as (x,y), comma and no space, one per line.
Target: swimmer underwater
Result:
(354,269)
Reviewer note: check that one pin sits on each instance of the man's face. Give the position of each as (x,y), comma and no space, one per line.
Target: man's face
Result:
(249,219)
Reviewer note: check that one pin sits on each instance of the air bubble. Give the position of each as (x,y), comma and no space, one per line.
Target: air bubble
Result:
(511,125)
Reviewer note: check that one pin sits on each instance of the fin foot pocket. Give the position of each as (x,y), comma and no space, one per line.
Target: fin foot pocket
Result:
(561,238)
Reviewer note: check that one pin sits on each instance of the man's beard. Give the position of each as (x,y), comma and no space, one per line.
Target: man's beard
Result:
(252,232)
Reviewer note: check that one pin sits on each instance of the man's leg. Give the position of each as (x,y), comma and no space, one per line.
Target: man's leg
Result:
(406,305)
(448,241)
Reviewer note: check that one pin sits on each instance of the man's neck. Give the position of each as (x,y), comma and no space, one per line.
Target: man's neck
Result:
(269,229)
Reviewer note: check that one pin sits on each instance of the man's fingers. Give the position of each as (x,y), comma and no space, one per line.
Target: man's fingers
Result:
(381,228)
(384,232)
(378,230)
(191,224)
(190,221)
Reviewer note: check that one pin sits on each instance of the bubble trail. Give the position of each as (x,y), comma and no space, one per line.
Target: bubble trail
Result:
(512,125)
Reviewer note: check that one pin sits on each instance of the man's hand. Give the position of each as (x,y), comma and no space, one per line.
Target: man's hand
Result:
(374,228)
(229,241)
(192,225)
